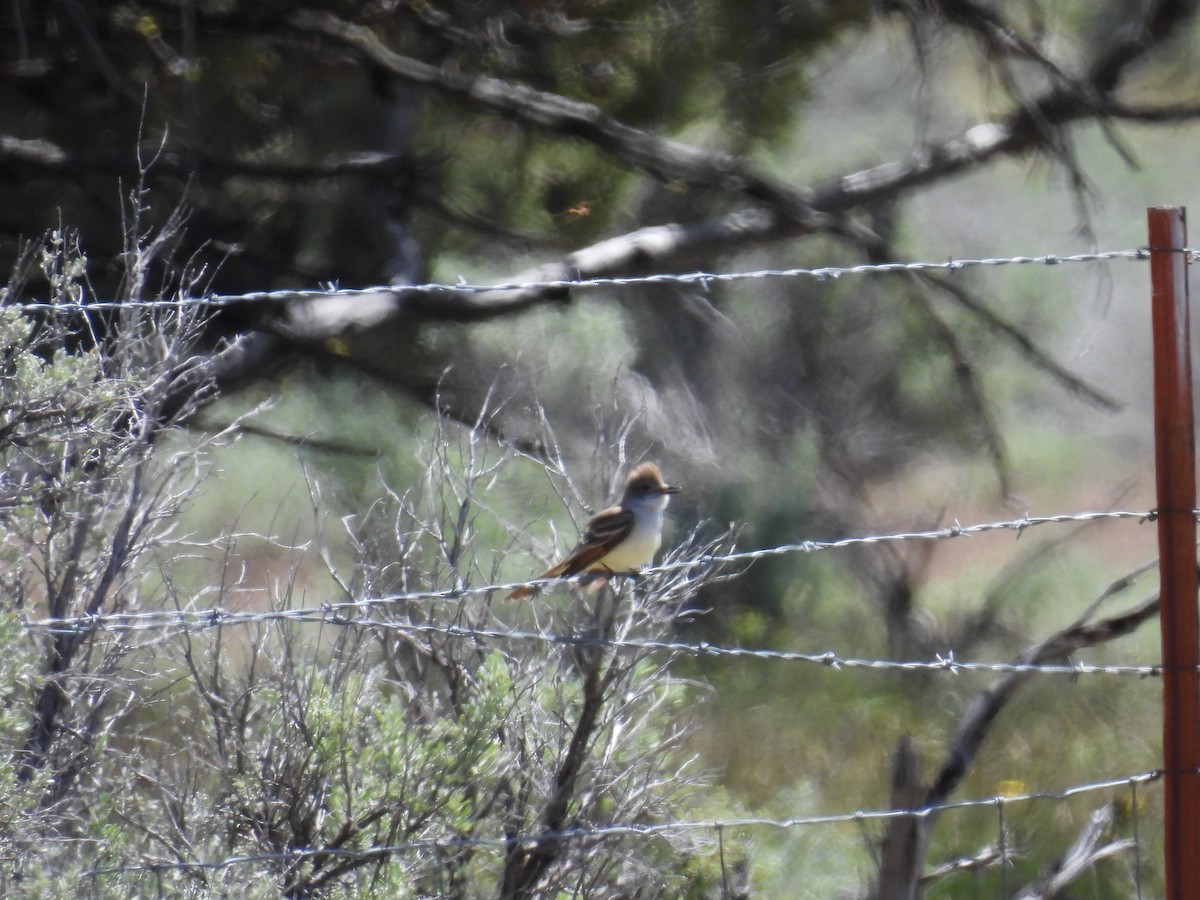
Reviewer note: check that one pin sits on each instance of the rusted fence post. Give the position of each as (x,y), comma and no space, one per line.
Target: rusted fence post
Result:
(1175,460)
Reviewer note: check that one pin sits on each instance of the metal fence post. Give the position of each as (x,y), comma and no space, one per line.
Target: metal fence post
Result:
(1175,460)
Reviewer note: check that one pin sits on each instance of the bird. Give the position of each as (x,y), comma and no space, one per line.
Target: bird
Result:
(622,538)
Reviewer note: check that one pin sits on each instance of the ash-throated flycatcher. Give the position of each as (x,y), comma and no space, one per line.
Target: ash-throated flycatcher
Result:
(622,538)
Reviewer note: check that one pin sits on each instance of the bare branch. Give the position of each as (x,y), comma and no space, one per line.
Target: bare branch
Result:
(661,157)
(978,721)
(986,858)
(46,156)
(906,842)
(1022,342)
(1168,112)
(972,391)
(1026,129)
(1082,856)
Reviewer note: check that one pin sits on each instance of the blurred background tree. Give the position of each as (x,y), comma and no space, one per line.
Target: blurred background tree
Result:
(390,143)
(387,144)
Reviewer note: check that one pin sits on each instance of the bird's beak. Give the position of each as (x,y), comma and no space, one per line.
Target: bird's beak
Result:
(670,489)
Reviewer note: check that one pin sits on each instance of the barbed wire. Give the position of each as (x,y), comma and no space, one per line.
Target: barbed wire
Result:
(355,612)
(957,530)
(949,532)
(600,832)
(332,614)
(702,279)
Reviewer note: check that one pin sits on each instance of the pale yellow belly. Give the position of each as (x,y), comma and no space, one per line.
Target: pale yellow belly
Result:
(632,553)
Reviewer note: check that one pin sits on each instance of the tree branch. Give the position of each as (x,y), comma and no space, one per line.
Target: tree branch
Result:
(1167,112)
(1022,342)
(527,862)
(1082,855)
(977,723)
(902,852)
(1024,129)
(907,838)
(46,156)
(665,159)
(670,160)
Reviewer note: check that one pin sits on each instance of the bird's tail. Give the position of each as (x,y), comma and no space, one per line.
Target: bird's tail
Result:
(594,582)
(528,590)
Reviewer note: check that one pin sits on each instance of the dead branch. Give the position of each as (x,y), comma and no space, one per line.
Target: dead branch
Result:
(665,159)
(907,838)
(526,862)
(978,721)
(1085,853)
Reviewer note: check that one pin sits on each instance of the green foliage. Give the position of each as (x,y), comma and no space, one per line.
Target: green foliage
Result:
(362,758)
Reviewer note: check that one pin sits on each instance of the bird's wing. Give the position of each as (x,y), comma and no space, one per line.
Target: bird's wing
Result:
(603,532)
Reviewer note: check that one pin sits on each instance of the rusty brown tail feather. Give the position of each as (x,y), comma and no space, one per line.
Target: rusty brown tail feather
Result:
(594,583)
(528,590)
(521,593)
